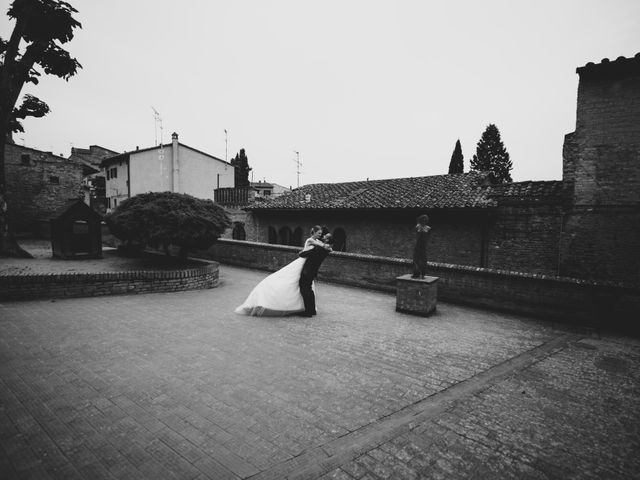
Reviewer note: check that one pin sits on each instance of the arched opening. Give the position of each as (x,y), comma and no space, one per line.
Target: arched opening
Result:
(297,240)
(272,235)
(284,236)
(238,232)
(339,240)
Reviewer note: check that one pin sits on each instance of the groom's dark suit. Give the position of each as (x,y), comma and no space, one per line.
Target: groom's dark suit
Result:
(314,257)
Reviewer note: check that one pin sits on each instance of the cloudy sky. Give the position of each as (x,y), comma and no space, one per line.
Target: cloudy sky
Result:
(360,88)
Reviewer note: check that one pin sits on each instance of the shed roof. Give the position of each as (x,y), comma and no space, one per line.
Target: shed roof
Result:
(72,205)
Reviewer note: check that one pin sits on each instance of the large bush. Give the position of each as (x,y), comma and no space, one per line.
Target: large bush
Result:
(162,219)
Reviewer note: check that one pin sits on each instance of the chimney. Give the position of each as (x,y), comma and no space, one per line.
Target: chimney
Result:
(175,162)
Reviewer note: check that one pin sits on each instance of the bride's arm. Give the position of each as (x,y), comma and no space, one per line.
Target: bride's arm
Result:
(312,242)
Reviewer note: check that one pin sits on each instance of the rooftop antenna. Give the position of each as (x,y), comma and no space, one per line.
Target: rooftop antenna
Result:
(298,165)
(226,135)
(158,121)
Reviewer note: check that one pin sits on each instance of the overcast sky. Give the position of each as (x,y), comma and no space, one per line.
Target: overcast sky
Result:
(360,88)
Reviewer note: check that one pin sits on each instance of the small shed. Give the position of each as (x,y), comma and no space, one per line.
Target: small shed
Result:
(76,231)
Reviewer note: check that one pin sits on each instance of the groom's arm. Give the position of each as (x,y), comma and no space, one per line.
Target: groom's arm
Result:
(307,253)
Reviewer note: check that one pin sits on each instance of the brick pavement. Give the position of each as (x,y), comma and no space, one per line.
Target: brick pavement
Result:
(177,386)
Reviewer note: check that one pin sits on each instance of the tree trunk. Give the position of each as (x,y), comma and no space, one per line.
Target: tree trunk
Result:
(8,245)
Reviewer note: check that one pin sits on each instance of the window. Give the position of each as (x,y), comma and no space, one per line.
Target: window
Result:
(115,202)
(284,236)
(238,232)
(273,236)
(54,180)
(25,159)
(339,240)
(107,174)
(114,172)
(297,237)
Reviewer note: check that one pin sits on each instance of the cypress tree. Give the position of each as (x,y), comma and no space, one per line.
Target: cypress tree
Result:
(491,156)
(457,160)
(241,164)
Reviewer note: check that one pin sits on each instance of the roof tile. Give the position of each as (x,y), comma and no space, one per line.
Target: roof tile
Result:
(464,190)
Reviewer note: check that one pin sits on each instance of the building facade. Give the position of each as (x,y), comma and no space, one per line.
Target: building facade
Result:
(94,179)
(38,184)
(173,167)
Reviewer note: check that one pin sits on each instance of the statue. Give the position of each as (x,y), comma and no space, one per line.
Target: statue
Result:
(420,251)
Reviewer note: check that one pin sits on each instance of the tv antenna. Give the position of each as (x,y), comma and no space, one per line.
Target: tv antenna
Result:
(158,121)
(226,140)
(298,165)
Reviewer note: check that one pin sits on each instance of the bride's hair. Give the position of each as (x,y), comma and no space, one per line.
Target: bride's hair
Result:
(315,228)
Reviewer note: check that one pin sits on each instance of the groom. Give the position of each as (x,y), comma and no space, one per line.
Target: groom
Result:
(315,257)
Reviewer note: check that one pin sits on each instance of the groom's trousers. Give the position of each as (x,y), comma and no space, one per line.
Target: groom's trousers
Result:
(308,296)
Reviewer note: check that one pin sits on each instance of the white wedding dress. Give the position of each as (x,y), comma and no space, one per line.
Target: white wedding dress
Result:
(277,295)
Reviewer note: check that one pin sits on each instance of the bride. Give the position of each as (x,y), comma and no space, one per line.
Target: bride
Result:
(279,293)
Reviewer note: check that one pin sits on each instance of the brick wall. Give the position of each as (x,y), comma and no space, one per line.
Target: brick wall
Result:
(238,215)
(602,156)
(588,243)
(525,239)
(30,286)
(608,109)
(602,243)
(560,298)
(31,195)
(456,237)
(601,234)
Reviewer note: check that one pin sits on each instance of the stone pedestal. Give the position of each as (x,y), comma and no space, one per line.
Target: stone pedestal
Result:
(417,296)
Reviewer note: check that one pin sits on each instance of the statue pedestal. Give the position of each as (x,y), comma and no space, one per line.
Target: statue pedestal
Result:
(417,296)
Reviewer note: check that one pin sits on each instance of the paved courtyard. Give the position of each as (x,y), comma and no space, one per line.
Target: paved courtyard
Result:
(177,386)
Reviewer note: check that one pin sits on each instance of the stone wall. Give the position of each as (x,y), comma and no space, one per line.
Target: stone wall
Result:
(38,184)
(564,299)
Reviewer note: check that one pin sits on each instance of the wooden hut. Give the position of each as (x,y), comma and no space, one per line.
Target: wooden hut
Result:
(76,231)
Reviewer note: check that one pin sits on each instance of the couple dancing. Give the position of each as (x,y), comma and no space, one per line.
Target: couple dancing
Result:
(290,290)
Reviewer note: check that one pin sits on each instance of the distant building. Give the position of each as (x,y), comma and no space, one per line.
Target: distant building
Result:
(173,167)
(38,184)
(94,178)
(268,190)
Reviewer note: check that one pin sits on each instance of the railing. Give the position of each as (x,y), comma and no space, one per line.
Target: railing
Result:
(234,196)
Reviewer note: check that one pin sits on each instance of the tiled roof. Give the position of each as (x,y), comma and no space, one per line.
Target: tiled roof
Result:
(531,192)
(464,190)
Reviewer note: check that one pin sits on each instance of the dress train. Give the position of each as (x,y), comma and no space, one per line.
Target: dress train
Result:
(277,295)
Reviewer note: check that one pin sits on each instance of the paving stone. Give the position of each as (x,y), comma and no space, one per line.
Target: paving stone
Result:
(176,385)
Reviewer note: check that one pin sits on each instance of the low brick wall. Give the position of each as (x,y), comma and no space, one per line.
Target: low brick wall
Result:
(33,286)
(565,299)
